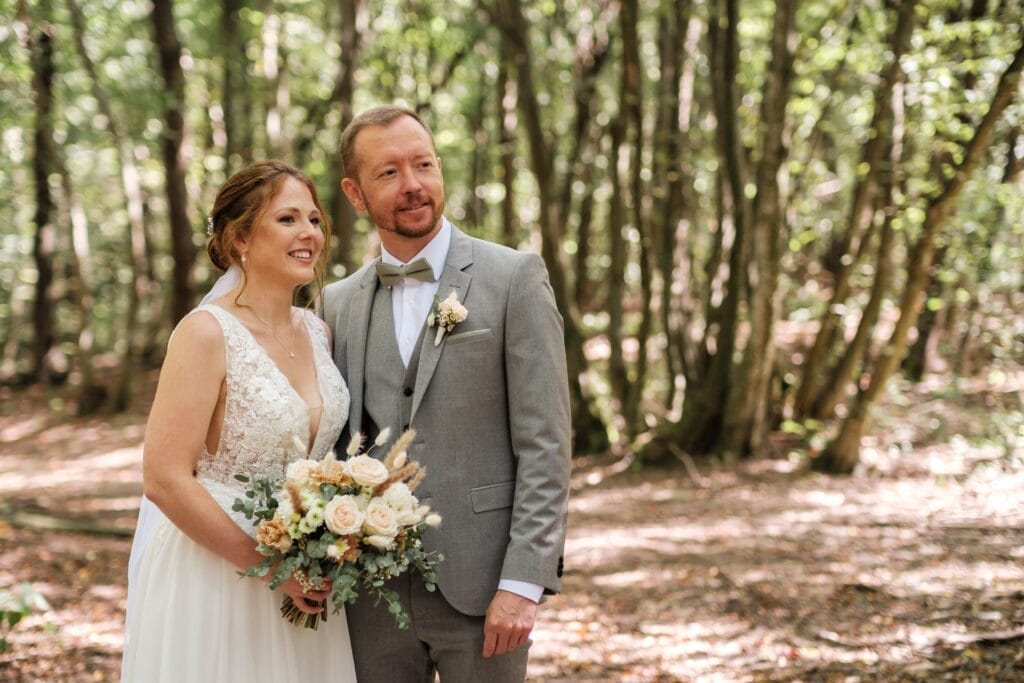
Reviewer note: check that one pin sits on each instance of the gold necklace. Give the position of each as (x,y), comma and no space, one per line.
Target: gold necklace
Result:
(273,332)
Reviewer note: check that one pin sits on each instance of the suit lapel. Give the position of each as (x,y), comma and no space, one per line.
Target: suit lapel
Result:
(453,279)
(362,304)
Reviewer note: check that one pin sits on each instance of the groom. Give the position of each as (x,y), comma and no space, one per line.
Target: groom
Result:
(488,399)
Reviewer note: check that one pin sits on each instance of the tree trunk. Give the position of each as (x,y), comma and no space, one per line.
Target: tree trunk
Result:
(590,434)
(343,216)
(233,70)
(44,241)
(90,394)
(814,370)
(921,355)
(669,172)
(476,208)
(618,375)
(506,92)
(700,424)
(275,82)
(843,453)
(632,111)
(173,138)
(744,425)
(136,243)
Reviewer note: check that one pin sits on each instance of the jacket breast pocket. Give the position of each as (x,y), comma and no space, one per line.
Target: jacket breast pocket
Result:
(468,336)
(493,496)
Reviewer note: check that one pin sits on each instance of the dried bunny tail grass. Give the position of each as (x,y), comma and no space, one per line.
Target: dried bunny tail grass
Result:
(417,478)
(401,445)
(398,475)
(293,495)
(355,444)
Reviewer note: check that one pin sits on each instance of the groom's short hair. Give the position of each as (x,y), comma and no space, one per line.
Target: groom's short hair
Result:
(378,116)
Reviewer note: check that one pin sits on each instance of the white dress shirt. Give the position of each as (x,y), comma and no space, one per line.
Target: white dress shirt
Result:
(411,300)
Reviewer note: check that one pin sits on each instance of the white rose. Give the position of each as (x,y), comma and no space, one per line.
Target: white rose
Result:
(399,497)
(301,471)
(380,519)
(342,515)
(367,471)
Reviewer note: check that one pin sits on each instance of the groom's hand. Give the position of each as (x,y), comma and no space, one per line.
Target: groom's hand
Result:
(508,623)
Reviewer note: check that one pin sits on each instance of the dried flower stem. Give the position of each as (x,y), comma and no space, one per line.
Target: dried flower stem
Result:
(401,445)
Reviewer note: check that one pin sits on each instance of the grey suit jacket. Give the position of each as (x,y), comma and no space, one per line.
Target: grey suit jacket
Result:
(491,413)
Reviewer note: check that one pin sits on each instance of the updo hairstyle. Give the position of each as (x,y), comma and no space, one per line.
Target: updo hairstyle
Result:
(243,201)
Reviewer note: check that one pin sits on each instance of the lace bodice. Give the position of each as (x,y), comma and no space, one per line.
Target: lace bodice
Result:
(264,415)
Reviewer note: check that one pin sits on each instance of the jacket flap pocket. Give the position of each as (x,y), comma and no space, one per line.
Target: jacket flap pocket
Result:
(493,496)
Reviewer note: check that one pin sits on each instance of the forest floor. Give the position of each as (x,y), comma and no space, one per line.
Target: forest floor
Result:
(910,570)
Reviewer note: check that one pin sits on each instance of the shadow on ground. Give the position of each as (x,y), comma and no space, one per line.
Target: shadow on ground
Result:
(911,570)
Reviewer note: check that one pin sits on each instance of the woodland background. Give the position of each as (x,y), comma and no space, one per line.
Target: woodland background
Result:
(770,226)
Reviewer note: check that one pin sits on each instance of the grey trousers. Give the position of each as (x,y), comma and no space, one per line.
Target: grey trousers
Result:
(441,640)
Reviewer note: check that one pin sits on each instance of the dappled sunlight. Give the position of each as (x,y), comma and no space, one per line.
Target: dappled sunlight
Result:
(122,465)
(747,572)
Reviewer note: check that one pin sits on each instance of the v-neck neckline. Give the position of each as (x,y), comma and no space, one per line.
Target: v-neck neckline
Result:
(314,438)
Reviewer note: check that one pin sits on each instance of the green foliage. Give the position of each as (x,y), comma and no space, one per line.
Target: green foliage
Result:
(15,604)
(446,59)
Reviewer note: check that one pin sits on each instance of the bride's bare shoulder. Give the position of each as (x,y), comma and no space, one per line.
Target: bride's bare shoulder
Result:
(197,332)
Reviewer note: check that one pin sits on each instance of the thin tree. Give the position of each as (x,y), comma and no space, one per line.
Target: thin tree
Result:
(843,453)
(744,426)
(44,241)
(810,395)
(589,431)
(172,140)
(136,243)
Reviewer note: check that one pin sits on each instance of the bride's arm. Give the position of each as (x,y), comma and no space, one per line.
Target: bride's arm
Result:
(187,396)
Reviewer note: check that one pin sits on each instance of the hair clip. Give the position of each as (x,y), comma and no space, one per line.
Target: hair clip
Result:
(209,226)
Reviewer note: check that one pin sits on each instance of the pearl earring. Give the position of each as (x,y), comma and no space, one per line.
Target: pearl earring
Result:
(243,258)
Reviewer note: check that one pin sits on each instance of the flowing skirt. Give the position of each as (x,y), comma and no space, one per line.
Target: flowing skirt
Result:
(191,617)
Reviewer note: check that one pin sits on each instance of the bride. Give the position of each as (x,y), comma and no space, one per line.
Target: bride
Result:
(245,374)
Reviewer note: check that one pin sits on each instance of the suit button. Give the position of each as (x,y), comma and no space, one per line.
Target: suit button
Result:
(407,391)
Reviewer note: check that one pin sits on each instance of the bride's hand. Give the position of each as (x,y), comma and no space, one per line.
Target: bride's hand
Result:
(312,601)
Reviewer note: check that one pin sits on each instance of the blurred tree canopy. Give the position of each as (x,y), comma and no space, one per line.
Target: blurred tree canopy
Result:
(755,215)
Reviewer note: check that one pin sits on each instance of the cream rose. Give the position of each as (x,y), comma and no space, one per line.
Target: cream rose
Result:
(380,519)
(301,471)
(342,515)
(367,471)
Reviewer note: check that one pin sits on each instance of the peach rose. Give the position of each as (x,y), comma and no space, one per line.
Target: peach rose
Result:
(274,534)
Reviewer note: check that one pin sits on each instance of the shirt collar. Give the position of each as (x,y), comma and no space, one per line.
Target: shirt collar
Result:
(435,252)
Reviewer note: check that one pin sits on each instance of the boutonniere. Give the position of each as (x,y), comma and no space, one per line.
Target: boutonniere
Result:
(445,315)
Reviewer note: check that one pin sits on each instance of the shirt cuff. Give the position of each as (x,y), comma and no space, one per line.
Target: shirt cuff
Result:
(530,591)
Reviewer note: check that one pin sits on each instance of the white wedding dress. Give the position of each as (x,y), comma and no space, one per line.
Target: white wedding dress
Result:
(190,616)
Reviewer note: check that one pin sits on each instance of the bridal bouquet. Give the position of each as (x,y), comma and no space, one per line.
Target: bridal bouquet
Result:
(354,523)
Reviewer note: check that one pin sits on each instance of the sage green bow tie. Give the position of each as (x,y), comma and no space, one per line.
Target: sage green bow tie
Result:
(391,275)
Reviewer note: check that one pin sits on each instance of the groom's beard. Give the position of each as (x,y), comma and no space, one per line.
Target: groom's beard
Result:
(395,222)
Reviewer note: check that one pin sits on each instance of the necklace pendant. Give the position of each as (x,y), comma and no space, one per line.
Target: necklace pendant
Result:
(291,354)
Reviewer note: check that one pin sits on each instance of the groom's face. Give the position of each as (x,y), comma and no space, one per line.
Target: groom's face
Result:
(398,181)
